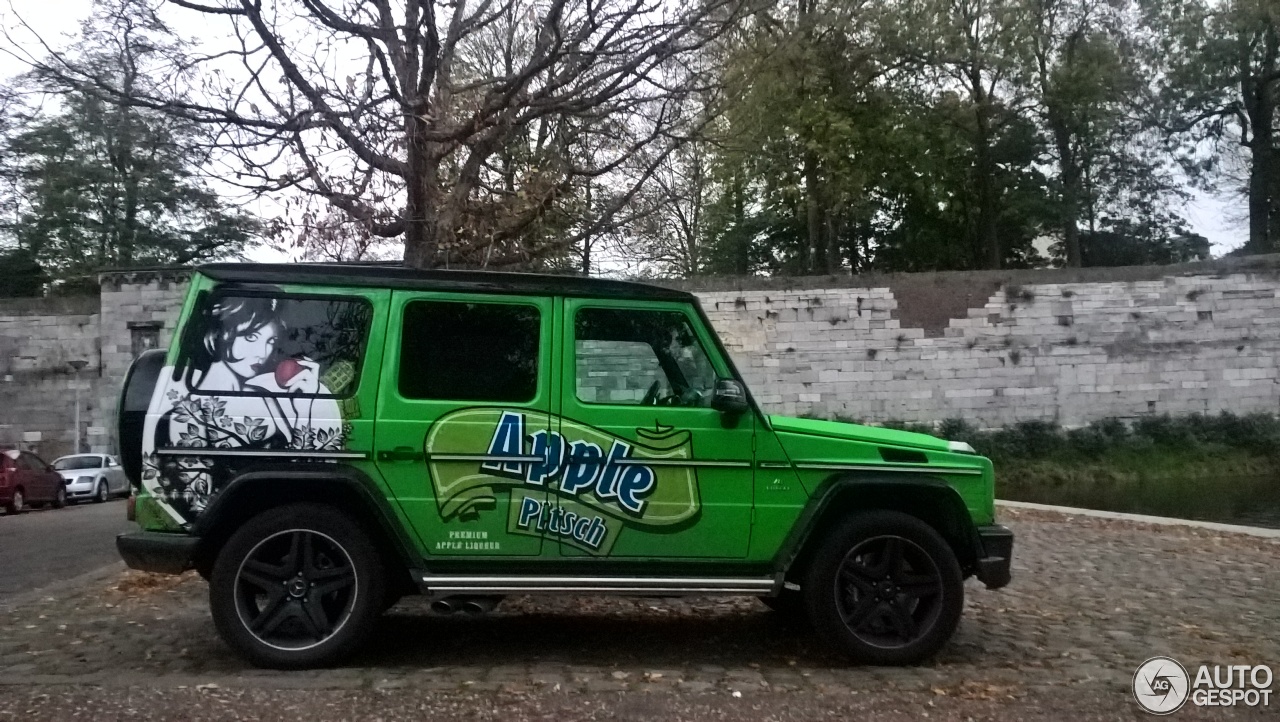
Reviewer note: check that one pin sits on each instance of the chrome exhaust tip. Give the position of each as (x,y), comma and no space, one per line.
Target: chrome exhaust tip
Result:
(480,605)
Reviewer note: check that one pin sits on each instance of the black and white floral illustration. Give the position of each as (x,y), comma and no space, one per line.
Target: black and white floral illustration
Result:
(259,373)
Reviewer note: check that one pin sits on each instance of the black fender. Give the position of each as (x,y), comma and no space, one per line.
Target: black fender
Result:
(928,497)
(267,485)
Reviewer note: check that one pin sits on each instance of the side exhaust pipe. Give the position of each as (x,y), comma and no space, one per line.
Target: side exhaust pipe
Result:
(480,605)
(474,605)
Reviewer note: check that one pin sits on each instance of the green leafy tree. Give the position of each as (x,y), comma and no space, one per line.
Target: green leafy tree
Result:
(971,50)
(1088,88)
(97,182)
(930,210)
(1220,89)
(797,140)
(95,195)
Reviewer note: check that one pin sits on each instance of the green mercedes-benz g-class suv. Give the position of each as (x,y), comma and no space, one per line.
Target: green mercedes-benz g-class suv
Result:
(322,439)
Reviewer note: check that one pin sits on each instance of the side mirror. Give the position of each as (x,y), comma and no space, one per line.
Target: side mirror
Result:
(729,397)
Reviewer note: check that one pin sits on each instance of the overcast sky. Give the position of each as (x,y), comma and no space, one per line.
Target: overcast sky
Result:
(1222,220)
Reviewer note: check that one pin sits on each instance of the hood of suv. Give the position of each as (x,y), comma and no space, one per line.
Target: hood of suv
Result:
(857,432)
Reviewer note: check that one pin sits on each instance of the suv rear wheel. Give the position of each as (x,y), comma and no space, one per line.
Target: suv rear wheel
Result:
(297,586)
(885,588)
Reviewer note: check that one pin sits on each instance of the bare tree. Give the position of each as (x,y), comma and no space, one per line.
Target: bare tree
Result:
(670,234)
(461,125)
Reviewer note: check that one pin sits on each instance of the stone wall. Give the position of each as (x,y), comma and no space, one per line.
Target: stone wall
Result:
(38,382)
(1063,352)
(139,310)
(39,338)
(995,348)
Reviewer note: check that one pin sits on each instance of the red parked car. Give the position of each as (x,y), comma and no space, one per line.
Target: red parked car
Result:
(25,479)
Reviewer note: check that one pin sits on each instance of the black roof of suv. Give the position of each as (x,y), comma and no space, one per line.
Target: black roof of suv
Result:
(388,275)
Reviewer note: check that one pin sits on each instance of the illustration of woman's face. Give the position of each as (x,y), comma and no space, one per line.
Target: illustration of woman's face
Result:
(251,350)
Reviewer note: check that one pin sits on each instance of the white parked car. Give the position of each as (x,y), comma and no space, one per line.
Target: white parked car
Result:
(92,476)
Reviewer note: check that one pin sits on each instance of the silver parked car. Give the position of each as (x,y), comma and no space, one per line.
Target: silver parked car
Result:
(92,476)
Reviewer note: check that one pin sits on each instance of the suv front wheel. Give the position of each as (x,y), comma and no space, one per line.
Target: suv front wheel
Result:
(297,586)
(885,588)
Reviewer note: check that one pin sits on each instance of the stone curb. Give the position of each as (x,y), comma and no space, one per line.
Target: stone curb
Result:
(1145,519)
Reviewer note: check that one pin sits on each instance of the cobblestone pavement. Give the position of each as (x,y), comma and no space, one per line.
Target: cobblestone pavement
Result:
(1091,599)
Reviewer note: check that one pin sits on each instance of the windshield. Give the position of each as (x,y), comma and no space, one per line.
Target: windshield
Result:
(78,462)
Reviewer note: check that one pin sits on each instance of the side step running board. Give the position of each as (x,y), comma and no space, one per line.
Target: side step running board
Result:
(437,585)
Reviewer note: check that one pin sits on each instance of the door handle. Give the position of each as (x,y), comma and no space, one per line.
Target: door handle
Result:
(401,453)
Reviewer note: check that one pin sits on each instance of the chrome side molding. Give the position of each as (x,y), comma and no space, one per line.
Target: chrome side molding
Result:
(439,584)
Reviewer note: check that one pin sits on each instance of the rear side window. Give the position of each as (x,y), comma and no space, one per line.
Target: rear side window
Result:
(460,351)
(268,344)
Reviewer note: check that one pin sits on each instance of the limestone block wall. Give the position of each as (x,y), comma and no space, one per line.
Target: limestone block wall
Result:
(1064,352)
(38,383)
(136,305)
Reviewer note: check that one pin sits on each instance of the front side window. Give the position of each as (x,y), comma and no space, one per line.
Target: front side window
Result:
(630,357)
(459,351)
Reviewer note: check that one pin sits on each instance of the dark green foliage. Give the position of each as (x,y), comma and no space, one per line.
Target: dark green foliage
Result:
(1137,248)
(90,178)
(1257,433)
(20,274)
(89,202)
(937,135)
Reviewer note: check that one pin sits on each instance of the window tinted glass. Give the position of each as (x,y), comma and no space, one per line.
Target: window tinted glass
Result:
(78,462)
(640,357)
(31,463)
(469,351)
(257,345)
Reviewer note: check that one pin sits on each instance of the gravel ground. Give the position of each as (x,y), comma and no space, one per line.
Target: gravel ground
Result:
(1091,599)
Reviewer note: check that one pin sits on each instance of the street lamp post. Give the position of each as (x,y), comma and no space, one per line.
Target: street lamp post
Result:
(77,365)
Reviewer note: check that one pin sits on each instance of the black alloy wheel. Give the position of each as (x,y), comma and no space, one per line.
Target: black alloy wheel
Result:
(885,588)
(295,589)
(888,589)
(297,586)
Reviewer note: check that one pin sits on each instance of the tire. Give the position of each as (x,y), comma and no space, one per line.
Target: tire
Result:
(60,500)
(17,503)
(100,493)
(894,579)
(331,589)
